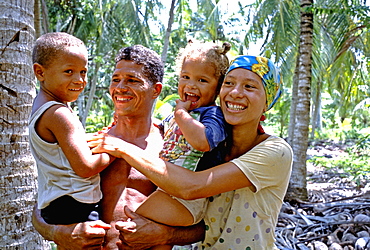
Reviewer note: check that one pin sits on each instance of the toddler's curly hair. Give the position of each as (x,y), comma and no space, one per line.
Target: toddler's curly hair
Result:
(207,52)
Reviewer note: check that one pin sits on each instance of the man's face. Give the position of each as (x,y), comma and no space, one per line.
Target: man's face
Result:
(131,91)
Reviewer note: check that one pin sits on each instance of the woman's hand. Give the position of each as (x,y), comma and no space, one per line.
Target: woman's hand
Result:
(94,139)
(104,143)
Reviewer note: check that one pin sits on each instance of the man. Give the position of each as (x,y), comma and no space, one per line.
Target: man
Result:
(136,83)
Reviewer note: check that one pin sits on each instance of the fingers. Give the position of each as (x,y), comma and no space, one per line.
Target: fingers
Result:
(93,144)
(95,136)
(126,226)
(94,140)
(129,225)
(100,224)
(180,104)
(129,213)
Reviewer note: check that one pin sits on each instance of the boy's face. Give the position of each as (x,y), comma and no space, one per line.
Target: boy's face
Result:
(198,83)
(65,77)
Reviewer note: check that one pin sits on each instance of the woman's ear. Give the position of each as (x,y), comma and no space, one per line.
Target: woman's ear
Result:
(38,69)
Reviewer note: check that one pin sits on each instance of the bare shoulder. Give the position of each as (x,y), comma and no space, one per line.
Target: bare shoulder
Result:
(154,140)
(55,117)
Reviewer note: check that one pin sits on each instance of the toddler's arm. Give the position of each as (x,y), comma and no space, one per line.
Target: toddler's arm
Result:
(193,130)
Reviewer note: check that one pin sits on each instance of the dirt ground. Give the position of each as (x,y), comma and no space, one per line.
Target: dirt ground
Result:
(336,216)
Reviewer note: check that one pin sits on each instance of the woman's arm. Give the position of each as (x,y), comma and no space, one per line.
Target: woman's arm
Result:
(174,179)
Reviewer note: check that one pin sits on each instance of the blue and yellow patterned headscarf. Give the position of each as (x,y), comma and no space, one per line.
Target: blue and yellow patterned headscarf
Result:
(265,69)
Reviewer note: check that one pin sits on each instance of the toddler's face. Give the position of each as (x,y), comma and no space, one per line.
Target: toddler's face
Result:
(198,83)
(65,77)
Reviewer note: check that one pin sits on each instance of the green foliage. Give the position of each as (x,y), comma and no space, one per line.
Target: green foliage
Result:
(278,117)
(354,164)
(99,118)
(164,107)
(341,55)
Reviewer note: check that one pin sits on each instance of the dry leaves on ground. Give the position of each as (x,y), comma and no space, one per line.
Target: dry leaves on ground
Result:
(337,215)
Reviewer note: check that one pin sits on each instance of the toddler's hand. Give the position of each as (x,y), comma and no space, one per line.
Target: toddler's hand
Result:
(180,104)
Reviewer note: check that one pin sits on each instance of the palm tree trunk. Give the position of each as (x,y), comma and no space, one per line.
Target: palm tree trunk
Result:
(298,183)
(316,110)
(85,113)
(293,105)
(166,41)
(38,20)
(17,90)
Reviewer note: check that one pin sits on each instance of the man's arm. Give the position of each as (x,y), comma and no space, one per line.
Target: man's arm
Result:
(86,235)
(141,233)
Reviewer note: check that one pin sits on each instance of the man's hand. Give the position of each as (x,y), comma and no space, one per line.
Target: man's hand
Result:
(85,235)
(140,233)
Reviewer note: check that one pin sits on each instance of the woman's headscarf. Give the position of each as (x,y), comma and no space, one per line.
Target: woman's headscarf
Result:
(265,69)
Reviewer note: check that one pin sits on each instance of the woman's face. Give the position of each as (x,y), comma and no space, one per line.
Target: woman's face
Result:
(242,96)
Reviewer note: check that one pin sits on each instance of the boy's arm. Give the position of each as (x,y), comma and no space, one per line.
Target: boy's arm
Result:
(193,130)
(86,235)
(71,137)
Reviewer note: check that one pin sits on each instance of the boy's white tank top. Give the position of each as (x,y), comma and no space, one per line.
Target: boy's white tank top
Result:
(55,175)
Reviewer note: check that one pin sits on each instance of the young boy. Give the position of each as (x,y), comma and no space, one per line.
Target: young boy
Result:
(68,173)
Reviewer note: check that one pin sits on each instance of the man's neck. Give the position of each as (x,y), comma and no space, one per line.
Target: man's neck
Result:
(132,129)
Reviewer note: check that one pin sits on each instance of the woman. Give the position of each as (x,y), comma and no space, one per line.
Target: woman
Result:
(247,191)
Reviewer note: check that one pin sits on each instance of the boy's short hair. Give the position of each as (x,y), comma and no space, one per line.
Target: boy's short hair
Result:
(153,67)
(207,52)
(49,45)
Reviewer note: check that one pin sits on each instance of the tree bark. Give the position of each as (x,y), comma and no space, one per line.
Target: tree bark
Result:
(298,183)
(316,109)
(166,41)
(85,113)
(293,105)
(17,90)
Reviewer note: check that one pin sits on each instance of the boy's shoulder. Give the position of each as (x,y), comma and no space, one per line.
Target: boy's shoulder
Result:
(41,107)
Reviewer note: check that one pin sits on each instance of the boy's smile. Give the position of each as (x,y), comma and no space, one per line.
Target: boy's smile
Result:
(65,78)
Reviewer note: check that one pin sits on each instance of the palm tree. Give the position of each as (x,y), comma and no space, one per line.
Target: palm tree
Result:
(168,31)
(105,26)
(17,89)
(338,57)
(298,183)
(339,37)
